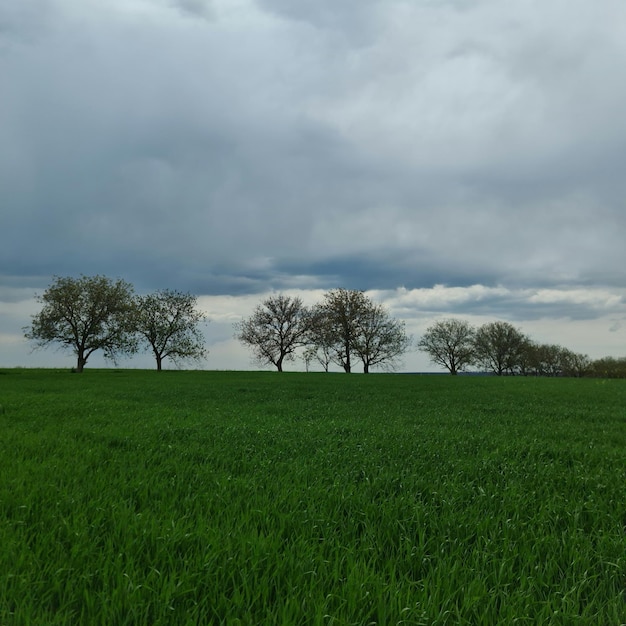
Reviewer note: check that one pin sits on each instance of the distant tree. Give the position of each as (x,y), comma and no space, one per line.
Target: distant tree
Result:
(321,339)
(347,325)
(608,367)
(336,325)
(575,364)
(549,359)
(381,339)
(319,353)
(499,347)
(276,329)
(449,343)
(84,315)
(527,358)
(168,323)
(542,359)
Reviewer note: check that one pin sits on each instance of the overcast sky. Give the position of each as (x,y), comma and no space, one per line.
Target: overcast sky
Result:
(456,158)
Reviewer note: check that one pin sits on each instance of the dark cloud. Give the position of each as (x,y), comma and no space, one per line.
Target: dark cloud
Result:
(240,147)
(195,8)
(357,21)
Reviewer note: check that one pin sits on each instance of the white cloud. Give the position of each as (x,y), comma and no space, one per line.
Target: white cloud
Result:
(601,299)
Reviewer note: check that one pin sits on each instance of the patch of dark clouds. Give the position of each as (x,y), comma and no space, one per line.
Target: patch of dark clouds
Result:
(516,307)
(22,23)
(357,21)
(380,270)
(183,171)
(512,304)
(212,280)
(16,288)
(195,8)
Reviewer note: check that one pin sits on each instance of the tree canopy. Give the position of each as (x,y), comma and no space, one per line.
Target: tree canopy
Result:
(91,313)
(84,315)
(449,343)
(168,323)
(336,325)
(347,325)
(381,339)
(499,347)
(277,327)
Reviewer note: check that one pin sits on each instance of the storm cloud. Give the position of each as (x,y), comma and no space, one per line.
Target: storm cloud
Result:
(231,148)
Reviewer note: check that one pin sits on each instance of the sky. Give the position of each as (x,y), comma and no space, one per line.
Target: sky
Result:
(452,158)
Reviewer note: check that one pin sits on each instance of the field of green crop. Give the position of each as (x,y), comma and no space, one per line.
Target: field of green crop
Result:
(184,498)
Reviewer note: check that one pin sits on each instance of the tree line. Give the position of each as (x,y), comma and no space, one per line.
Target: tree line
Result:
(96,313)
(345,329)
(502,349)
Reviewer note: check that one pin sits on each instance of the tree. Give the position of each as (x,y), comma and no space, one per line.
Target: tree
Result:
(575,364)
(608,367)
(348,325)
(548,359)
(381,339)
(449,343)
(167,322)
(527,360)
(499,347)
(276,329)
(336,324)
(84,315)
(320,353)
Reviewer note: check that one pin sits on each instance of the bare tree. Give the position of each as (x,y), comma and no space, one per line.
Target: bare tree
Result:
(84,315)
(381,340)
(499,347)
(167,322)
(449,343)
(319,353)
(276,329)
(335,325)
(347,325)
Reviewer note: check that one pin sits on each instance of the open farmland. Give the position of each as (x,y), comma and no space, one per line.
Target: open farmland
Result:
(144,498)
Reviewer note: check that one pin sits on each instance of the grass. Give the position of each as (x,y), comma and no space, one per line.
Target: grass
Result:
(145,498)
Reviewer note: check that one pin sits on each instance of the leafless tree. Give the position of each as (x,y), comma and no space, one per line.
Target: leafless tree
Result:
(276,329)
(381,340)
(335,325)
(347,325)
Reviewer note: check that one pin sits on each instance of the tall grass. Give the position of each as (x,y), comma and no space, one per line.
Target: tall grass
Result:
(145,498)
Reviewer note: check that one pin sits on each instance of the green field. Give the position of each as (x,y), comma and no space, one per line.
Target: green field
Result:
(145,498)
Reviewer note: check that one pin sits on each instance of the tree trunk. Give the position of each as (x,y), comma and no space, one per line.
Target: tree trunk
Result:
(159,361)
(366,368)
(80,362)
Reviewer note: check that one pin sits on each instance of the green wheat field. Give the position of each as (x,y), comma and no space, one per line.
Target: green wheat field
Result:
(133,497)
